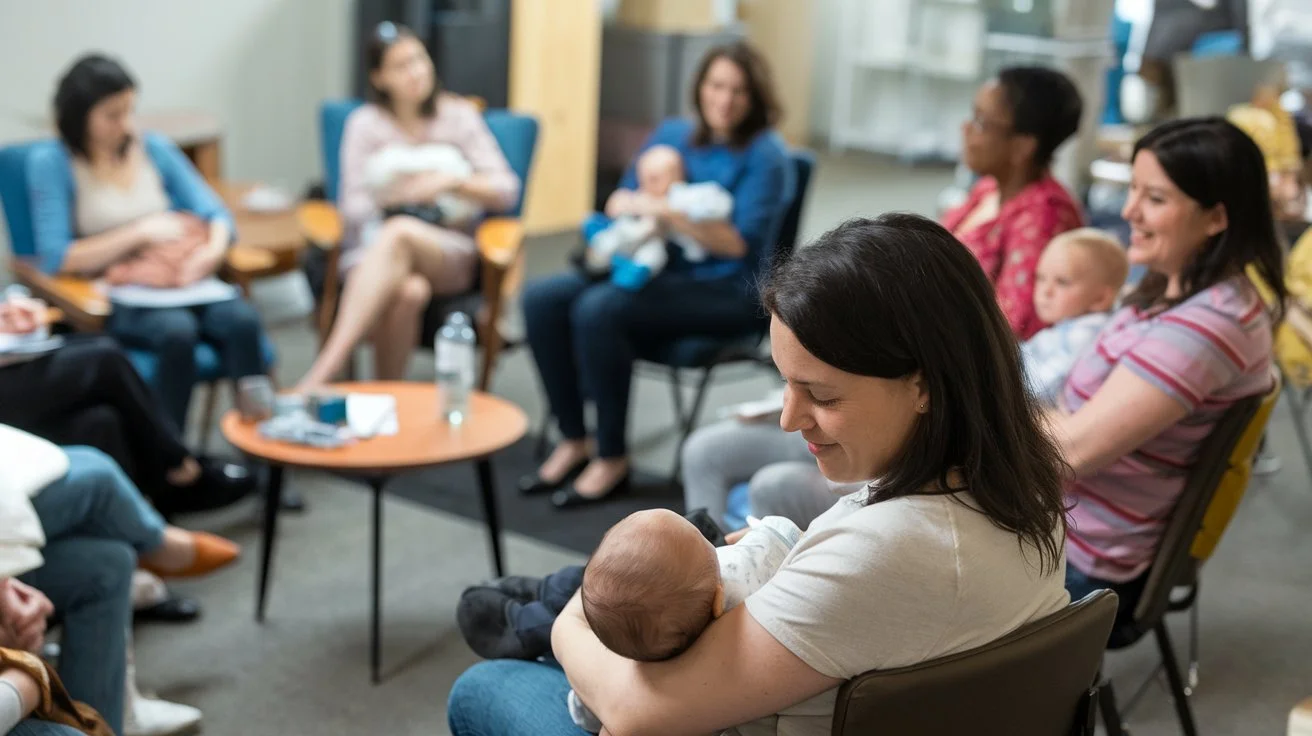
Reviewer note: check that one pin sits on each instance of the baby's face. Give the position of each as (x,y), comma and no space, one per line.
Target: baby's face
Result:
(1067,284)
(658,170)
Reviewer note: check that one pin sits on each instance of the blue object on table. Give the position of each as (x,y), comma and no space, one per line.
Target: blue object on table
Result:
(738,509)
(329,408)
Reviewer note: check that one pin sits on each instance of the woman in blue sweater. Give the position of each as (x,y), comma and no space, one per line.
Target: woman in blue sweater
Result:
(110,196)
(585,335)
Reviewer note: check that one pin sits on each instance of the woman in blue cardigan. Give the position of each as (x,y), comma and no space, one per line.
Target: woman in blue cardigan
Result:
(109,196)
(585,334)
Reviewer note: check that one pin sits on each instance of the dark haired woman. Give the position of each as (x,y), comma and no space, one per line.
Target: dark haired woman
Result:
(957,542)
(109,194)
(1192,339)
(395,266)
(584,335)
(1018,122)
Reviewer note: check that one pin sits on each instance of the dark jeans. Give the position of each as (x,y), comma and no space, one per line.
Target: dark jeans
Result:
(585,336)
(231,327)
(88,393)
(533,621)
(1079,585)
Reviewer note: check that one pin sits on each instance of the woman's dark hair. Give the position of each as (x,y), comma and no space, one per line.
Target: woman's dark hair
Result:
(763,110)
(898,295)
(90,80)
(1214,162)
(385,36)
(1044,104)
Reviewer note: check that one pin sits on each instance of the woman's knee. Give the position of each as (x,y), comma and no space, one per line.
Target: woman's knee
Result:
(777,489)
(178,330)
(600,307)
(235,320)
(706,447)
(415,294)
(508,696)
(473,697)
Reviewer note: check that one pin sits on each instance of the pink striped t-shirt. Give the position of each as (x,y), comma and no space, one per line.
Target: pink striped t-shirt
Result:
(1206,353)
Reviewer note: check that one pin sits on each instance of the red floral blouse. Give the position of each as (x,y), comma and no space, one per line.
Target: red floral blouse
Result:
(1008,247)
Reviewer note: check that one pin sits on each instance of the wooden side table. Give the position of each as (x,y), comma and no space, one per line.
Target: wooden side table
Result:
(277,234)
(423,441)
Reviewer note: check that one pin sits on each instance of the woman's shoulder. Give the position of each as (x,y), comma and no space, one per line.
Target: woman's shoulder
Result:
(1234,300)
(451,105)
(1051,194)
(366,117)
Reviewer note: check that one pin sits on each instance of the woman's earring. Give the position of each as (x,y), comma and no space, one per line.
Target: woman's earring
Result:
(923,406)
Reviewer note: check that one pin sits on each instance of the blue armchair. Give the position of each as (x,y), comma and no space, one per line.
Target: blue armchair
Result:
(500,239)
(82,304)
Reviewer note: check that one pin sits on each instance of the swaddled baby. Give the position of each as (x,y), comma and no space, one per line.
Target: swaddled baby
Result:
(388,165)
(660,174)
(654,584)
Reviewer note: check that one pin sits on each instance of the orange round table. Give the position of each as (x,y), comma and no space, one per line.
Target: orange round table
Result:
(423,440)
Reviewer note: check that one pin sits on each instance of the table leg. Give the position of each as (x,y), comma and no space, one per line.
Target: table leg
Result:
(272,502)
(488,491)
(375,631)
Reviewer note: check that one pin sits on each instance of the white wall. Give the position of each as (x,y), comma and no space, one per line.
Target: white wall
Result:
(260,66)
(826,26)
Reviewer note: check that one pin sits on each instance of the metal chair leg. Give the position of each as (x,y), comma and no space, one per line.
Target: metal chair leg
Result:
(207,417)
(676,392)
(689,423)
(1178,693)
(1191,683)
(1298,408)
(1111,718)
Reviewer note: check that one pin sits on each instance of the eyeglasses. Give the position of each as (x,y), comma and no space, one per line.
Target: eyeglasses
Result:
(981,124)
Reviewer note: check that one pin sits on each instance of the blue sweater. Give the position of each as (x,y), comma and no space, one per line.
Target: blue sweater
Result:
(758,175)
(54,195)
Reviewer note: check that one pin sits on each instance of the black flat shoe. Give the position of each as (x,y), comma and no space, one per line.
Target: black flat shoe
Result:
(568,498)
(532,484)
(175,610)
(220,484)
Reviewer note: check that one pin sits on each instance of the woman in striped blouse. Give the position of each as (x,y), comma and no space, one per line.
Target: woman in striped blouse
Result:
(1192,339)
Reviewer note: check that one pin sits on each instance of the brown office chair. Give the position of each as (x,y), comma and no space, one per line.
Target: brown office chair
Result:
(1036,681)
(1211,494)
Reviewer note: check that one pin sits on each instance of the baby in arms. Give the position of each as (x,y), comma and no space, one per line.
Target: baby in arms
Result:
(661,175)
(654,584)
(389,165)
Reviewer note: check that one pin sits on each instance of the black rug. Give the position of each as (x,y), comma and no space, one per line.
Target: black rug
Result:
(454,489)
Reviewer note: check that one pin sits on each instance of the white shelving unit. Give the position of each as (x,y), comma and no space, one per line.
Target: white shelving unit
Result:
(902,69)
(907,70)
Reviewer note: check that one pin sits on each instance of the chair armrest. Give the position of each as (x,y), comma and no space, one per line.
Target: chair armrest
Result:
(501,250)
(82,304)
(243,262)
(320,223)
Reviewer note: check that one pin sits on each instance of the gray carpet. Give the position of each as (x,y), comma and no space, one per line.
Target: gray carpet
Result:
(306,670)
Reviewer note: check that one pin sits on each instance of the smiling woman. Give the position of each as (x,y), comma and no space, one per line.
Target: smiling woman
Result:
(956,543)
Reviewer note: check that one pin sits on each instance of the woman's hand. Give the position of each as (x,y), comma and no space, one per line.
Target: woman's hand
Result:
(21,316)
(23,614)
(418,189)
(161,227)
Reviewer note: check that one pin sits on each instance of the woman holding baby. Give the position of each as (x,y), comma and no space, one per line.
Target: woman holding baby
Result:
(956,544)
(585,333)
(419,166)
(127,206)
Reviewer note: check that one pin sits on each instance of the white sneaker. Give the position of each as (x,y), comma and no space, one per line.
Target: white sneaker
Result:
(151,717)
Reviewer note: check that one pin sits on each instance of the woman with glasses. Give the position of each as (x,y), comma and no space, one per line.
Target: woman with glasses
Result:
(1019,120)
(418,168)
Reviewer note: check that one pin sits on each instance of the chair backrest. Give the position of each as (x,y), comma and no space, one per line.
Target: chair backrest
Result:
(1211,494)
(517,134)
(803,166)
(1034,681)
(14,195)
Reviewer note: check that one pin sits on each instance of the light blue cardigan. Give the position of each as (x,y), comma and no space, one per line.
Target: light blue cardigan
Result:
(54,195)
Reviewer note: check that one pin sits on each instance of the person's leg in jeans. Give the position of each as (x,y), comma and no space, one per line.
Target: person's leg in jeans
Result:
(796,491)
(172,335)
(90,583)
(33,727)
(610,323)
(510,698)
(548,304)
(96,499)
(233,328)
(719,456)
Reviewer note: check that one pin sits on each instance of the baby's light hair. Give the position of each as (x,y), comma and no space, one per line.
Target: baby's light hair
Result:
(1104,250)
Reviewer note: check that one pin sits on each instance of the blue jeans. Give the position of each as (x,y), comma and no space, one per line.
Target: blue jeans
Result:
(95,522)
(585,336)
(231,327)
(510,697)
(33,727)
(1127,594)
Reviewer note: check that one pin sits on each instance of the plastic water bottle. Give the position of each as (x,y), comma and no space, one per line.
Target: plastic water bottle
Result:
(455,366)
